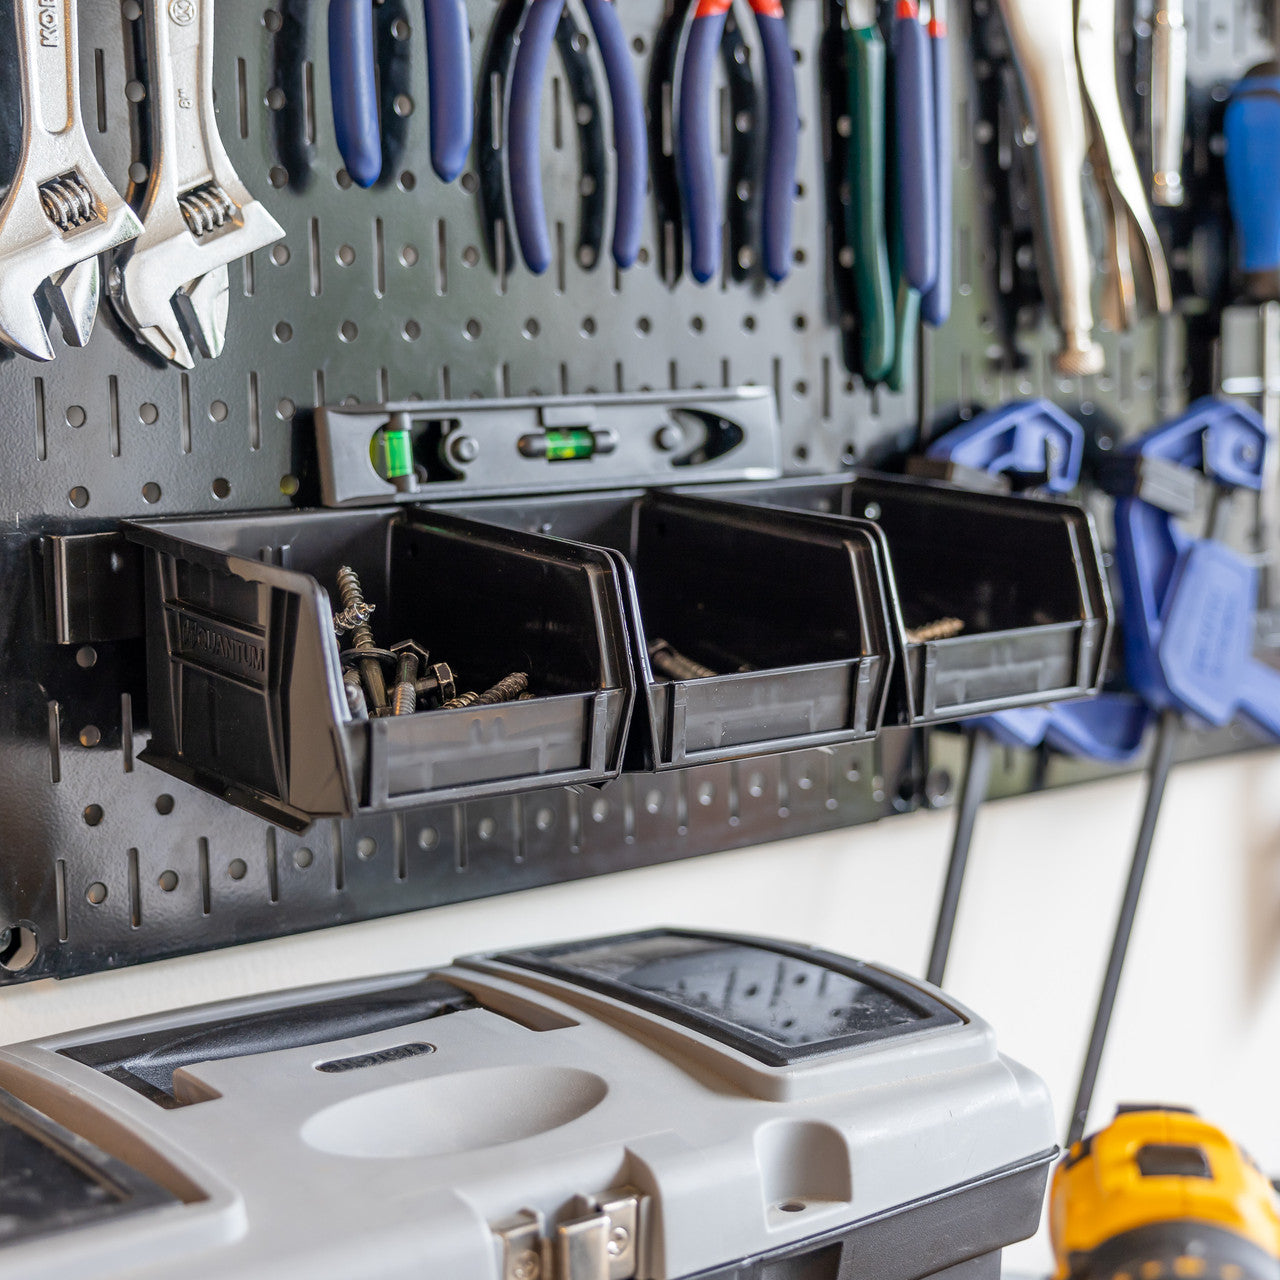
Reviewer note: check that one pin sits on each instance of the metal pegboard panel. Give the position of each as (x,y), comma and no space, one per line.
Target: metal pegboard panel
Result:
(373,294)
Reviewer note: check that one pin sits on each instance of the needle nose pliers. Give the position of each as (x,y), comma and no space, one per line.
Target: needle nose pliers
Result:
(354,87)
(524,140)
(697,153)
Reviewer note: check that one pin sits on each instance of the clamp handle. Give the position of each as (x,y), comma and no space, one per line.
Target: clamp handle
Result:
(1033,437)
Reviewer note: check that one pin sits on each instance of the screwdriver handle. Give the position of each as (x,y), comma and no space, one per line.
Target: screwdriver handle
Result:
(353,86)
(917,168)
(865,60)
(449,85)
(935,303)
(1251,127)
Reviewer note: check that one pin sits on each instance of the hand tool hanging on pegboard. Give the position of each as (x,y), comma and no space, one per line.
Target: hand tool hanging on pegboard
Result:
(353,85)
(61,212)
(170,286)
(695,144)
(1039,444)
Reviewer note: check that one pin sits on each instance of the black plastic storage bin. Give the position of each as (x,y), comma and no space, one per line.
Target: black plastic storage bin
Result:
(245,681)
(793,610)
(1023,575)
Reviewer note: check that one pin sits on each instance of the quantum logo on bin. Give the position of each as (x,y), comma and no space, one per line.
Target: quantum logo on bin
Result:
(224,648)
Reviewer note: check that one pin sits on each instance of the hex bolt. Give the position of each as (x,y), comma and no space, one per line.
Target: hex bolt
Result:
(375,686)
(438,680)
(462,700)
(673,664)
(507,689)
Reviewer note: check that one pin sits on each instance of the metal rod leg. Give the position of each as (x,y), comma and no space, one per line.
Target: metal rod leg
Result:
(1157,776)
(973,793)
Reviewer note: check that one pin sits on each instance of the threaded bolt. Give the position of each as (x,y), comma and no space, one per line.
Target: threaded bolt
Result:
(405,702)
(941,629)
(462,700)
(506,690)
(353,604)
(355,694)
(673,664)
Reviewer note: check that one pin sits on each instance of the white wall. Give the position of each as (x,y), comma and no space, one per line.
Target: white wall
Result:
(1198,1019)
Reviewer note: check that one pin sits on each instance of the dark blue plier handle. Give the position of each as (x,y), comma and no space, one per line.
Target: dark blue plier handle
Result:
(697,149)
(353,86)
(524,132)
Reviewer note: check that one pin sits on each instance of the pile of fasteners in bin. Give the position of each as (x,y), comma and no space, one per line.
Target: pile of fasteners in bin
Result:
(401,680)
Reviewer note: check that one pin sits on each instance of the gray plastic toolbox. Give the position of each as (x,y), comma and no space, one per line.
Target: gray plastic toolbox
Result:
(658,1106)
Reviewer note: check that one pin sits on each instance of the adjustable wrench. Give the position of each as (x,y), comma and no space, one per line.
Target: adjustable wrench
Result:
(61,211)
(170,286)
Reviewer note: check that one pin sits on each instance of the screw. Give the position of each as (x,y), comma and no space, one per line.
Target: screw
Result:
(362,638)
(438,680)
(355,694)
(412,656)
(668,662)
(506,690)
(462,700)
(350,619)
(941,629)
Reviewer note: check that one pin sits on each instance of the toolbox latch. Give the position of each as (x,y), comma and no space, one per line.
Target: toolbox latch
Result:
(601,1244)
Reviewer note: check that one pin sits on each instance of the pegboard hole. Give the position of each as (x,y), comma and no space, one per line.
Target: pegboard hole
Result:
(366,847)
(531,328)
(151,492)
(138,173)
(544,819)
(76,416)
(275,98)
(586,254)
(349,331)
(280,255)
(473,329)
(221,488)
(407,180)
(470,183)
(800,323)
(237,868)
(400,29)
(428,838)
(644,325)
(486,828)
(86,656)
(132,10)
(283,331)
(289,485)
(272,20)
(96,893)
(403,105)
(19,947)
(303,858)
(791,1206)
(218,411)
(164,804)
(343,179)
(653,802)
(135,91)
(801,388)
(285,409)
(755,786)
(697,324)
(638,45)
(408,255)
(148,413)
(346,255)
(412,331)
(167,880)
(93,815)
(470,256)
(90,735)
(78,497)
(589,327)
(749,323)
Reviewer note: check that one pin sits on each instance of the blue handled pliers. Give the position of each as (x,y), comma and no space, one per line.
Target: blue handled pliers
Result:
(524,141)
(353,86)
(697,152)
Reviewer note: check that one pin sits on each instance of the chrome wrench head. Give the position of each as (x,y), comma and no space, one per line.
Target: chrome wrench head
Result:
(170,286)
(61,211)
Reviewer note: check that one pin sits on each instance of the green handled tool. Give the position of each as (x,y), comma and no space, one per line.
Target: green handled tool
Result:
(865,58)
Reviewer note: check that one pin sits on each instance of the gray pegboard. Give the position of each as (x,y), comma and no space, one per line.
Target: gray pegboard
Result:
(384,294)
